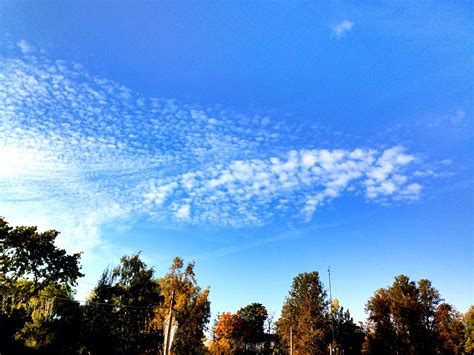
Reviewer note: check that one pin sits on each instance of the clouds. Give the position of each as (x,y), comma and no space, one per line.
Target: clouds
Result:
(86,151)
(24,46)
(253,191)
(342,28)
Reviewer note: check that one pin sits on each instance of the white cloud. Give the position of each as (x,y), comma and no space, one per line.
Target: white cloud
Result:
(341,28)
(183,212)
(158,195)
(78,152)
(25,47)
(412,191)
(227,194)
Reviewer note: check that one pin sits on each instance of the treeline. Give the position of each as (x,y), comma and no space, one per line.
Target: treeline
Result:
(404,318)
(127,311)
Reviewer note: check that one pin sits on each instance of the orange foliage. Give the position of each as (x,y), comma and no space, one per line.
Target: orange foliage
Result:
(226,334)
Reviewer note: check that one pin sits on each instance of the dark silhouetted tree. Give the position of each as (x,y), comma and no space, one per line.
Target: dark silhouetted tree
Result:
(408,318)
(253,319)
(119,315)
(36,281)
(349,336)
(450,330)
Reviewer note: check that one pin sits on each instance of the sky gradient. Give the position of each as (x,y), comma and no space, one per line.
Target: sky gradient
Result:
(259,139)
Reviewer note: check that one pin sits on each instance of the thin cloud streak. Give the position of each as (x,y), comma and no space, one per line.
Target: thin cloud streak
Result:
(292,234)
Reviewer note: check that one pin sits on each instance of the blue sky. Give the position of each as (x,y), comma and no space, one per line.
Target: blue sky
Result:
(259,139)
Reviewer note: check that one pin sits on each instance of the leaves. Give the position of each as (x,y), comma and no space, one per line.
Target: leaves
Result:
(126,310)
(191,307)
(305,311)
(253,318)
(409,318)
(27,254)
(120,312)
(36,280)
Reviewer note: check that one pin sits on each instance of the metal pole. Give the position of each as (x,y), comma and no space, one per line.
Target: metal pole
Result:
(332,315)
(170,323)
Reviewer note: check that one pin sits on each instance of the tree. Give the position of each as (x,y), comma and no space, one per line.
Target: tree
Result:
(190,304)
(349,336)
(253,319)
(227,333)
(409,318)
(33,272)
(382,337)
(235,332)
(119,314)
(450,330)
(54,322)
(27,254)
(305,311)
(469,331)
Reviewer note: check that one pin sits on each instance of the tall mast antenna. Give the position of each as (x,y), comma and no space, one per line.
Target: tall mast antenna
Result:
(332,314)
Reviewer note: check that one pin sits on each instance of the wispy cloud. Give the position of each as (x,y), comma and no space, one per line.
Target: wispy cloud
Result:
(341,28)
(24,46)
(83,151)
(459,117)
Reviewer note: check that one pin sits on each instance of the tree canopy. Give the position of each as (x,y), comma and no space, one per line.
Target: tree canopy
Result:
(305,315)
(36,280)
(253,318)
(27,254)
(118,317)
(126,311)
(410,318)
(191,307)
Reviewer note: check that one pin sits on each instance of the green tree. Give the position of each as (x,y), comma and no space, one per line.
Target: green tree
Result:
(253,317)
(54,322)
(33,273)
(27,254)
(305,311)
(348,335)
(191,307)
(120,312)
(101,329)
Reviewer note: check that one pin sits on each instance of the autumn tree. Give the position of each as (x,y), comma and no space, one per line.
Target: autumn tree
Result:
(232,332)
(305,312)
(449,330)
(396,317)
(409,318)
(191,307)
(118,317)
(469,331)
(226,334)
(382,335)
